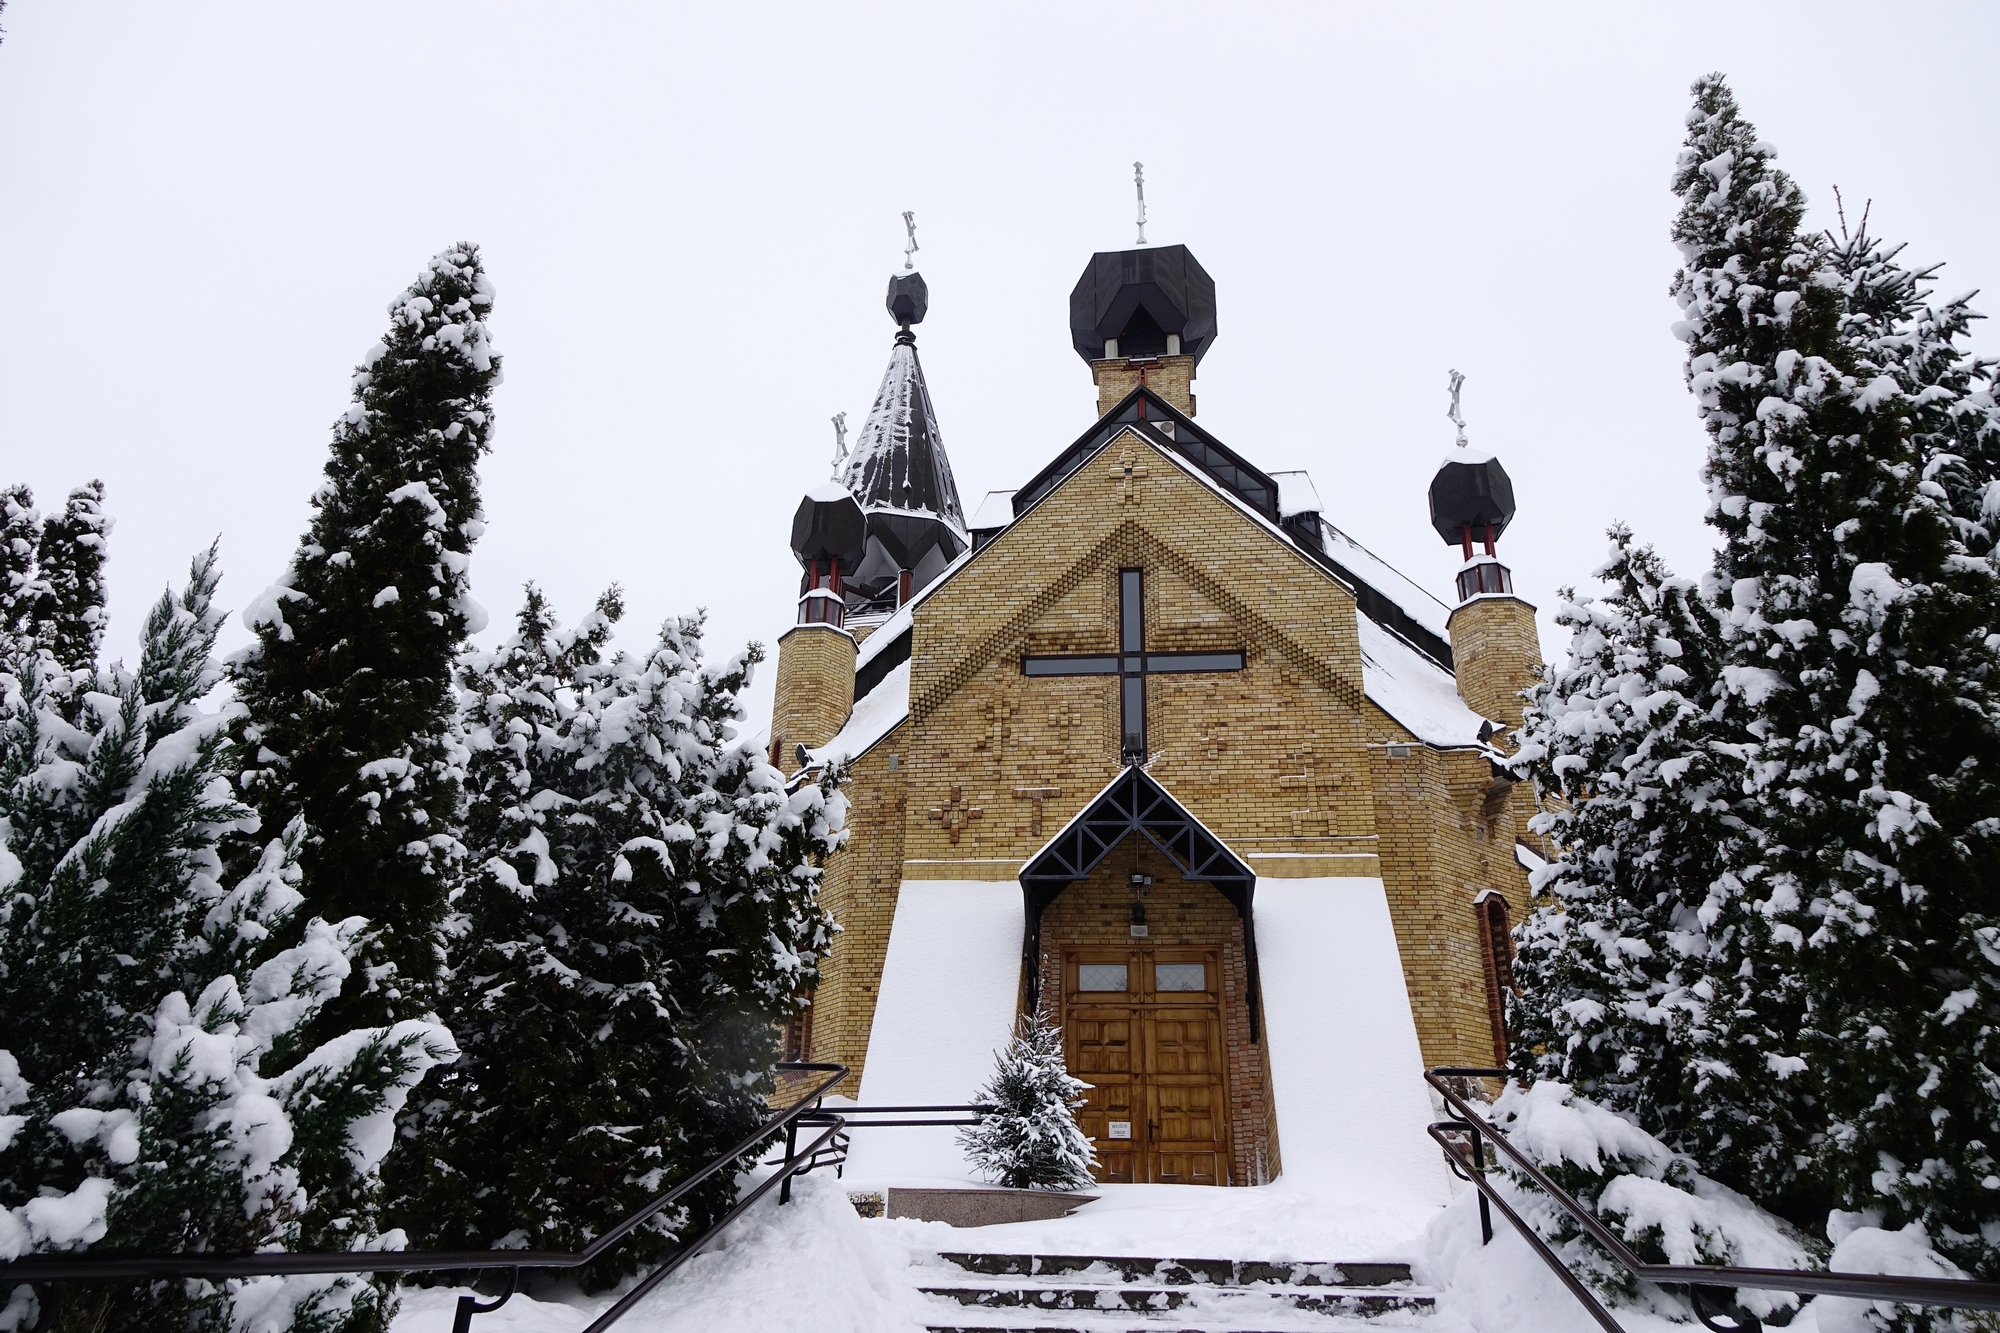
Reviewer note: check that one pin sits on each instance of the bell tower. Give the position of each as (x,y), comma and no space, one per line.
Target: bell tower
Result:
(1495,647)
(1143,316)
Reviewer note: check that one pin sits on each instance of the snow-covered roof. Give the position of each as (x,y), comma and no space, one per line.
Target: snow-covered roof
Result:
(1414,690)
(1296,494)
(1386,579)
(898,461)
(995,511)
(1530,861)
(874,717)
(828,492)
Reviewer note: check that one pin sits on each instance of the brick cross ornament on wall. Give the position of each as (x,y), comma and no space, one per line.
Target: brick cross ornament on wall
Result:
(1128,475)
(1132,664)
(955,814)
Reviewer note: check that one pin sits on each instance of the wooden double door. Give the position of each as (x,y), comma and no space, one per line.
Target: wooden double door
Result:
(1143,1027)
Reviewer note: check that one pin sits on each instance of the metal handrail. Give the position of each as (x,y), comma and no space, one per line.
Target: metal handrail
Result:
(1711,1287)
(42,1270)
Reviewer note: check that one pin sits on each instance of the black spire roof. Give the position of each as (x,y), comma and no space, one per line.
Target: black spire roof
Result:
(898,460)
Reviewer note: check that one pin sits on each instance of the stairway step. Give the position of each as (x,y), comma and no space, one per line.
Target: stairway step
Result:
(1182,1272)
(1160,1300)
(1137,1299)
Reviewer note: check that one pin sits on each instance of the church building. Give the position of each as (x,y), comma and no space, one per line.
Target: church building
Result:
(1151,745)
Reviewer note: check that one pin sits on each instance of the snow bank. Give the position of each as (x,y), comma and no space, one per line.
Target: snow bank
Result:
(1346,1069)
(809,1266)
(950,986)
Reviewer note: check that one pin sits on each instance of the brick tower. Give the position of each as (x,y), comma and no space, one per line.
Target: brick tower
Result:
(1494,644)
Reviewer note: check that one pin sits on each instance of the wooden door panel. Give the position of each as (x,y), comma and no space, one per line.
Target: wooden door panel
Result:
(1099,1041)
(1184,1042)
(1187,1168)
(1189,1113)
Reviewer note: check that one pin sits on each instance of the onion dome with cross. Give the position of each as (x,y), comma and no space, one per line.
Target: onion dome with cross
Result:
(1472,501)
(1158,301)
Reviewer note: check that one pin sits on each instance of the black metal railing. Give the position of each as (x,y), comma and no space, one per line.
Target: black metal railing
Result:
(50,1274)
(1711,1288)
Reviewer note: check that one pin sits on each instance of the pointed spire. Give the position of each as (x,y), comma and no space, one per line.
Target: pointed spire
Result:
(898,460)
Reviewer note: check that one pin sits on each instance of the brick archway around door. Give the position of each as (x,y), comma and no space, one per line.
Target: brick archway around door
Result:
(1094,916)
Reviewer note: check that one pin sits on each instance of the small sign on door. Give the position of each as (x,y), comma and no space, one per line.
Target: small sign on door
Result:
(1121,1129)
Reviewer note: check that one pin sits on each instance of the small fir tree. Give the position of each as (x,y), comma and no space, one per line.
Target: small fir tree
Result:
(65,614)
(348,688)
(1623,739)
(1030,1139)
(158,1091)
(642,920)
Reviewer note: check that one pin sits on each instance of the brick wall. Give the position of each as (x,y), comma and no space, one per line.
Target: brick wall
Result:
(862,882)
(1171,377)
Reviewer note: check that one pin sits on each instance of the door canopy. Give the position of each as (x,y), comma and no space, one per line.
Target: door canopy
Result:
(1134,803)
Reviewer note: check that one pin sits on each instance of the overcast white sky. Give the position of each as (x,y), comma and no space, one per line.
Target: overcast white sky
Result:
(690,214)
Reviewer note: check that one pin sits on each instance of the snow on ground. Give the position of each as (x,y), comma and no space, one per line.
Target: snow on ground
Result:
(812,1266)
(1282,1220)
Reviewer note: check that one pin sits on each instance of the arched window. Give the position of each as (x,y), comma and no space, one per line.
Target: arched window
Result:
(1496,954)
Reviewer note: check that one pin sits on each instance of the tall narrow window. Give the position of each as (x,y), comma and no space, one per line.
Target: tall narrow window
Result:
(1132,660)
(1496,951)
(798,1039)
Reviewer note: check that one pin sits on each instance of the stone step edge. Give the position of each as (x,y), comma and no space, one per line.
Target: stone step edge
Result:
(1200,1272)
(1177,1298)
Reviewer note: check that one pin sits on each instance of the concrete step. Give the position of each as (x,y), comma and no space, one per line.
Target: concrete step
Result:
(1015,1293)
(1180,1272)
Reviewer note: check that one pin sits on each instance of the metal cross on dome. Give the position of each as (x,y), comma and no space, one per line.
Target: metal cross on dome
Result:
(1132,664)
(1453,415)
(839,442)
(1139,181)
(910,250)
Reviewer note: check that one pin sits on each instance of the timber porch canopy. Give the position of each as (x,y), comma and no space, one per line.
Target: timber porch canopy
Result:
(1134,803)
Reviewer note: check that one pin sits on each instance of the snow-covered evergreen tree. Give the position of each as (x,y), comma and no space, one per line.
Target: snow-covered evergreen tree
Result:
(642,919)
(1030,1139)
(1852,967)
(1622,738)
(348,688)
(156,1090)
(65,615)
(20,525)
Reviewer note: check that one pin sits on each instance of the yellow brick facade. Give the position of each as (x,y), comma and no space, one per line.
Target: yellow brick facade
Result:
(1285,760)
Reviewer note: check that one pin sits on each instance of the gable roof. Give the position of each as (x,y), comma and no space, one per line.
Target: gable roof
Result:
(1160,422)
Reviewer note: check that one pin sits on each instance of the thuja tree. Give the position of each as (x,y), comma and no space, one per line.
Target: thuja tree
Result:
(1622,739)
(19,526)
(158,1090)
(642,918)
(1853,959)
(347,691)
(65,613)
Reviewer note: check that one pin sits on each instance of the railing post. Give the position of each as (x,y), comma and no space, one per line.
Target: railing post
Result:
(791,1150)
(1479,1165)
(468,1306)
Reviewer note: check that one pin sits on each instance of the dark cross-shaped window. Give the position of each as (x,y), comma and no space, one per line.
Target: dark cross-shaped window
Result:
(1132,664)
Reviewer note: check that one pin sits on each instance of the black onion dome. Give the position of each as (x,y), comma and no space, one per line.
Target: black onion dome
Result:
(1471,491)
